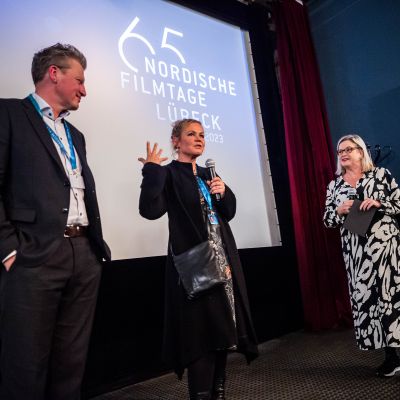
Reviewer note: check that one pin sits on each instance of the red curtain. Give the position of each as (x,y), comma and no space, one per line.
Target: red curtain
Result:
(311,164)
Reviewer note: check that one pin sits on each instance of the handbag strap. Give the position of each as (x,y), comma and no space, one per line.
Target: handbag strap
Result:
(186,211)
(208,237)
(188,217)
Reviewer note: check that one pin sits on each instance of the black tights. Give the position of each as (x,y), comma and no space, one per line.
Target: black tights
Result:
(203,372)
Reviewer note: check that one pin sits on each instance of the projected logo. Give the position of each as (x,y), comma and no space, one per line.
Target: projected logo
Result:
(179,90)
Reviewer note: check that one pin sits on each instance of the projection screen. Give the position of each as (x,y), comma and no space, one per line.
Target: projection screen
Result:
(151,62)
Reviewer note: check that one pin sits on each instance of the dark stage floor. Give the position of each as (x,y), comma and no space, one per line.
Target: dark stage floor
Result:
(300,365)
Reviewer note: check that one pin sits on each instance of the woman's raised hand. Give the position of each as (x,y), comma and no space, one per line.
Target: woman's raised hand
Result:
(153,155)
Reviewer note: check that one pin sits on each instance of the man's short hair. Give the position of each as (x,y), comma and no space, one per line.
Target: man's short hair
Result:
(59,55)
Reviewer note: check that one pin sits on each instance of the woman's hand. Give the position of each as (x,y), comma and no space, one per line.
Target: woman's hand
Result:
(344,208)
(9,262)
(369,203)
(153,155)
(217,186)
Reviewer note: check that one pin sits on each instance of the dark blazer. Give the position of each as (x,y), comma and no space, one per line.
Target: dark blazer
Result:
(34,188)
(195,327)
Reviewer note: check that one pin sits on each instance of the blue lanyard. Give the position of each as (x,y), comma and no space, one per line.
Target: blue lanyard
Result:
(205,192)
(71,157)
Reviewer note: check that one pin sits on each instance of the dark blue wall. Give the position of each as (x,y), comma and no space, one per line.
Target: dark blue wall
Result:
(358,49)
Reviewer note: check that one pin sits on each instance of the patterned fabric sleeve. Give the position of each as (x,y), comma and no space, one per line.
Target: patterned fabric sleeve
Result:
(388,192)
(331,218)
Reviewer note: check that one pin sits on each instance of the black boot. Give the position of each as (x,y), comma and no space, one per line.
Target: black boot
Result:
(390,366)
(200,377)
(219,376)
(219,388)
(201,396)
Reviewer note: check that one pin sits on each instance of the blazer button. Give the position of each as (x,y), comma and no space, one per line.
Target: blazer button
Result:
(66,183)
(64,210)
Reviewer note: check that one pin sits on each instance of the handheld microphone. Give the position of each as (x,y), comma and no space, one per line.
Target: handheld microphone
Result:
(352,194)
(210,164)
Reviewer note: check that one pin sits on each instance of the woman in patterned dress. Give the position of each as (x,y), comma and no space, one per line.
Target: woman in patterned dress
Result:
(199,332)
(372,262)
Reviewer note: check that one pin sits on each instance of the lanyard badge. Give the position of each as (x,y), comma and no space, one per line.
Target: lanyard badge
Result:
(212,215)
(71,156)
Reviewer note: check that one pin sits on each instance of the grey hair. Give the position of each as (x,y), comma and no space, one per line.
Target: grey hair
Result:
(59,55)
(366,162)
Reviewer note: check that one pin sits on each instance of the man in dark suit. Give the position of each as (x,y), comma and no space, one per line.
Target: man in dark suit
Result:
(51,243)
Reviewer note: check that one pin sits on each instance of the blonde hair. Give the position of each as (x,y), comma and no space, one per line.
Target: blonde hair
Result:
(179,125)
(366,162)
(177,129)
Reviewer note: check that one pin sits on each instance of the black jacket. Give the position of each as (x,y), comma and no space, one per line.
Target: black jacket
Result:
(34,188)
(195,327)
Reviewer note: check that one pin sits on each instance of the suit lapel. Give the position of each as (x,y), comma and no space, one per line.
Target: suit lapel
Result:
(41,130)
(79,146)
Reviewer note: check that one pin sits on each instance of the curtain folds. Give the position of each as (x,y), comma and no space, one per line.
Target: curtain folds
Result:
(311,165)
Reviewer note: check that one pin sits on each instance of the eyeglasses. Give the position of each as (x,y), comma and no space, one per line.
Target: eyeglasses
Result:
(347,150)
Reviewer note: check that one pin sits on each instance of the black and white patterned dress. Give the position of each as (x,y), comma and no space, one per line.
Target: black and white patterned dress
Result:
(373,262)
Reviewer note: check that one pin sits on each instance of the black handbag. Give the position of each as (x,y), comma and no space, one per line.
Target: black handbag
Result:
(198,269)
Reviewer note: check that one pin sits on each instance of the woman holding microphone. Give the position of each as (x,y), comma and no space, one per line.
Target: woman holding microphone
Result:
(198,331)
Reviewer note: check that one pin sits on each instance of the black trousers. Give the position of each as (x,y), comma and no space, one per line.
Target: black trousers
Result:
(46,319)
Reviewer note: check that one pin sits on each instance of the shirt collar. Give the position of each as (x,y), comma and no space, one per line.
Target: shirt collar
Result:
(46,109)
